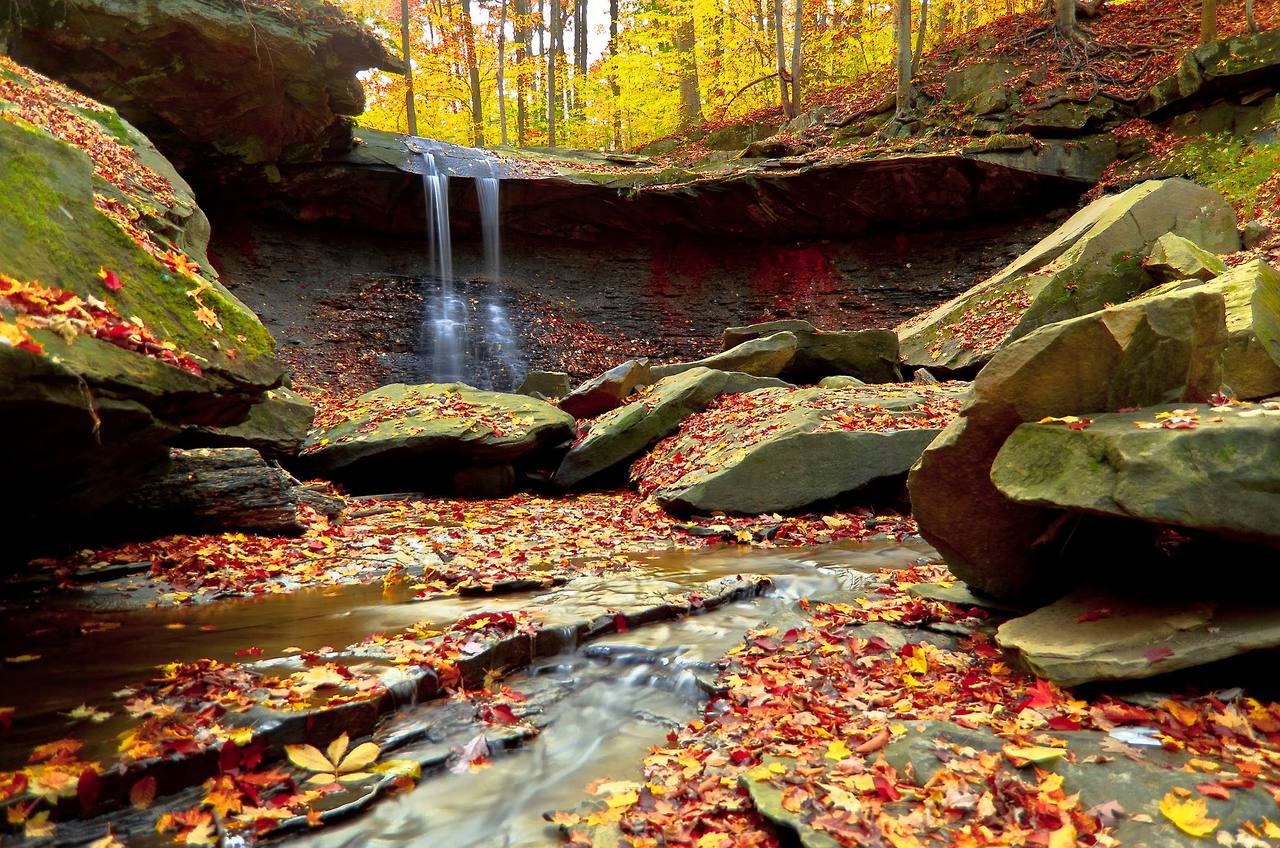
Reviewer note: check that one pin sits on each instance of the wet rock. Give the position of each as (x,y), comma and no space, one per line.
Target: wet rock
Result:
(277,426)
(1157,350)
(401,436)
(1212,469)
(213,102)
(621,435)
(1094,635)
(1251,362)
(1212,69)
(1091,260)
(868,355)
(779,449)
(762,357)
(545,385)
(1173,257)
(213,490)
(79,413)
(608,391)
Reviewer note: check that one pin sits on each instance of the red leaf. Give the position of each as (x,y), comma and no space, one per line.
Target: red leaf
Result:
(1093,615)
(143,792)
(620,623)
(88,788)
(500,714)
(1214,790)
(1155,655)
(109,279)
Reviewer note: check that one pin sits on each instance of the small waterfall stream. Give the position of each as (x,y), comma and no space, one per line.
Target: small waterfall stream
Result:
(466,339)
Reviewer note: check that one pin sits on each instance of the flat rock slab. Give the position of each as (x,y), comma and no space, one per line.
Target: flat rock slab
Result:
(782,449)
(622,434)
(767,356)
(1215,469)
(402,436)
(1093,635)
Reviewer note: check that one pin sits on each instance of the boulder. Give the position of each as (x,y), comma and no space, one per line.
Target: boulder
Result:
(1093,635)
(112,338)
(1212,469)
(190,73)
(622,434)
(839,382)
(1156,350)
(1251,363)
(782,449)
(608,391)
(402,437)
(277,426)
(868,355)
(545,385)
(767,356)
(1228,65)
(1092,260)
(1173,257)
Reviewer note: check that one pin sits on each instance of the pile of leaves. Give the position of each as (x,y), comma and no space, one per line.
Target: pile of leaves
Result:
(810,711)
(497,420)
(734,424)
(35,306)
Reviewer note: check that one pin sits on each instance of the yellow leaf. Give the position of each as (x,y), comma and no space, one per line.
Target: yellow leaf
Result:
(85,711)
(714,840)
(1037,754)
(1063,837)
(837,751)
(360,757)
(622,799)
(38,826)
(1270,829)
(1190,816)
(308,757)
(323,778)
(337,748)
(399,768)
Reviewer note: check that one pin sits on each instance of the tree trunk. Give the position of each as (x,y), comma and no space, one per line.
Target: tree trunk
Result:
(780,45)
(473,74)
(1248,16)
(1208,21)
(502,55)
(795,60)
(903,25)
(614,88)
(690,93)
(524,39)
(920,32)
(580,36)
(1065,17)
(411,111)
(552,105)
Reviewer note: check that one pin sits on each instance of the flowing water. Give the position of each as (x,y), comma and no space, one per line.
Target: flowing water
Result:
(466,339)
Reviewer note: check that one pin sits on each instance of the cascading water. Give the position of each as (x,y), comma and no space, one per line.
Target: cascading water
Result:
(478,347)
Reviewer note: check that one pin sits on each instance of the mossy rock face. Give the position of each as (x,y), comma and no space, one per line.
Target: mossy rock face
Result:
(1091,261)
(277,426)
(1164,349)
(189,72)
(87,402)
(1212,69)
(417,437)
(783,449)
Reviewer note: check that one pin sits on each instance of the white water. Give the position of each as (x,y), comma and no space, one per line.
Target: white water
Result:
(476,344)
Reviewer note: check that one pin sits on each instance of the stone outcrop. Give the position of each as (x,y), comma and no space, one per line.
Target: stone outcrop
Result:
(1213,69)
(1093,635)
(1209,469)
(782,449)
(111,339)
(415,438)
(252,82)
(1092,260)
(608,391)
(1173,257)
(277,425)
(767,356)
(623,434)
(1251,363)
(1157,350)
(867,355)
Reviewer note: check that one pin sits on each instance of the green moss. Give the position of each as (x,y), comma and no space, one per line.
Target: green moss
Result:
(109,121)
(1230,164)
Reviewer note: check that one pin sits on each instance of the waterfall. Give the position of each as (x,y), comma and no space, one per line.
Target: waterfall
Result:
(480,348)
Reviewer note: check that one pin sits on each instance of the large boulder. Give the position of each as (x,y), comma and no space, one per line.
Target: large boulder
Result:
(114,333)
(253,81)
(417,437)
(622,434)
(608,391)
(1157,350)
(1091,261)
(767,356)
(1251,363)
(1210,469)
(782,449)
(868,355)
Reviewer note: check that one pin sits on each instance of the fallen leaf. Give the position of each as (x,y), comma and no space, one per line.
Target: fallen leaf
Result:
(1190,816)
